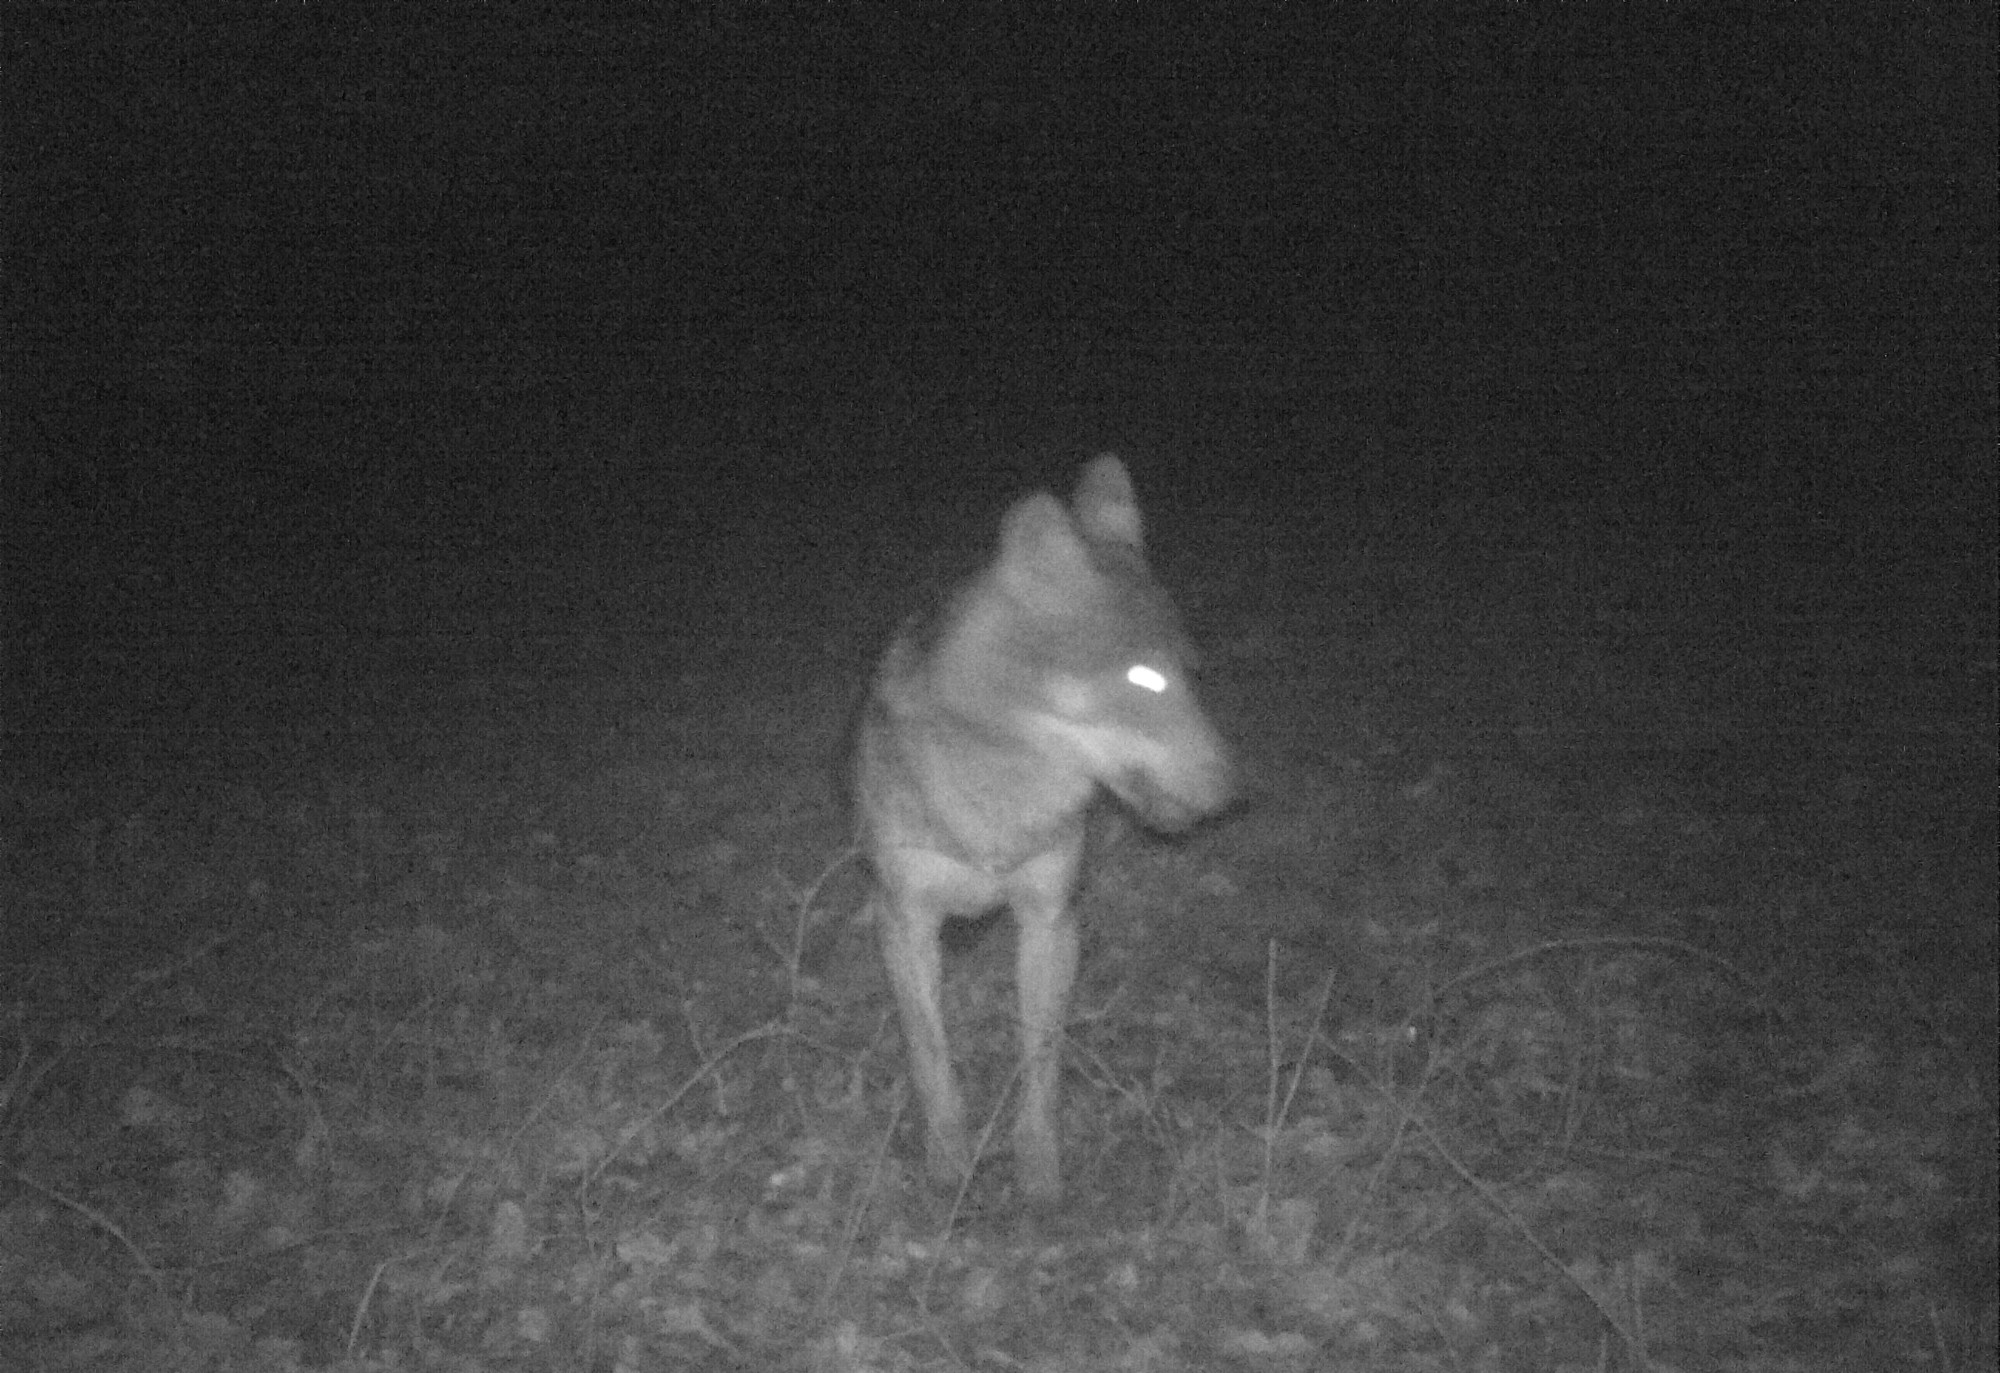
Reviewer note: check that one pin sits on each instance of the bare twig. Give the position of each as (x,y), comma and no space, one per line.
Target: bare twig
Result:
(1586,943)
(98,1219)
(852,1227)
(1485,1192)
(768,1030)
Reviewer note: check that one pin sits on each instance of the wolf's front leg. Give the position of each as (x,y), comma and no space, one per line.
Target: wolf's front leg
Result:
(908,928)
(1045,970)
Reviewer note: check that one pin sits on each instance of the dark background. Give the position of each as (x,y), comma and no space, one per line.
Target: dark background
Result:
(457,473)
(352,367)
(300,276)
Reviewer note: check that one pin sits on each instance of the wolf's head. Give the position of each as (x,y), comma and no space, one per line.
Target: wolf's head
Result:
(1100,659)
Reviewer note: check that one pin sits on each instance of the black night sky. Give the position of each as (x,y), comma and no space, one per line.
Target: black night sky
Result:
(464,273)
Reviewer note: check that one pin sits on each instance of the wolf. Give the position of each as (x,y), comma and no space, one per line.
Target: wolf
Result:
(1059,671)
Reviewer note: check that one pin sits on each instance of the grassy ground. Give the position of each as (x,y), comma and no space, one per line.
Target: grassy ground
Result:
(446,959)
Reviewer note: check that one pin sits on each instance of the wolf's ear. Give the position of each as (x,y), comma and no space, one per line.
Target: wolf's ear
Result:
(1043,562)
(1105,505)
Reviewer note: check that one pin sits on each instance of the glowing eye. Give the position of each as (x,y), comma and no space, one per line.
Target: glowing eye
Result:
(1146,678)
